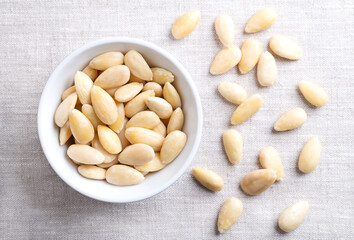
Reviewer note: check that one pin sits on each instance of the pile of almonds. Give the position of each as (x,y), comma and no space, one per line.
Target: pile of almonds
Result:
(247,58)
(116,137)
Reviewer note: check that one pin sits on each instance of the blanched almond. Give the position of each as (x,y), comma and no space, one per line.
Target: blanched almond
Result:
(88,111)
(128,91)
(92,172)
(247,109)
(83,85)
(136,79)
(208,179)
(108,157)
(64,133)
(113,77)
(160,129)
(251,51)
(122,175)
(137,104)
(225,29)
(108,165)
(144,119)
(65,107)
(152,166)
(153,86)
(85,154)
(270,159)
(146,136)
(293,216)
(292,119)
(225,60)
(232,92)
(176,120)
(172,146)
(229,213)
(261,20)
(117,126)
(185,24)
(310,155)
(136,154)
(123,140)
(162,76)
(81,127)
(171,95)
(160,106)
(258,181)
(106,60)
(233,145)
(104,105)
(68,92)
(89,71)
(109,139)
(137,65)
(267,70)
(285,47)
(111,91)
(313,93)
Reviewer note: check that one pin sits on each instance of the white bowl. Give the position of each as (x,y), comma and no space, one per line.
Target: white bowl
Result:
(62,78)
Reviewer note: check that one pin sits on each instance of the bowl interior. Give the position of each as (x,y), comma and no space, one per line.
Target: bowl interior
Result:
(62,78)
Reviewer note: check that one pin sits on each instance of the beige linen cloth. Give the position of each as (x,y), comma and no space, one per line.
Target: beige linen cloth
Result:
(35,36)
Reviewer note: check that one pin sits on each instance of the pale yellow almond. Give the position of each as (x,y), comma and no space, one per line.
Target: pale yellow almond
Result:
(65,107)
(247,109)
(225,60)
(68,92)
(81,127)
(77,142)
(292,119)
(171,95)
(113,77)
(104,105)
(136,79)
(233,145)
(232,92)
(208,179)
(64,133)
(258,181)
(117,126)
(261,20)
(84,154)
(88,111)
(152,166)
(229,213)
(137,104)
(112,91)
(122,175)
(160,129)
(225,29)
(160,106)
(128,91)
(162,76)
(106,60)
(285,47)
(144,173)
(172,146)
(92,172)
(185,24)
(91,72)
(137,65)
(109,139)
(310,155)
(293,216)
(108,157)
(136,154)
(267,70)
(270,159)
(144,119)
(251,51)
(176,120)
(108,165)
(123,140)
(153,86)
(313,93)
(146,136)
(83,85)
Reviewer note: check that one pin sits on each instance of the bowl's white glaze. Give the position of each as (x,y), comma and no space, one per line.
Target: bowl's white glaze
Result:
(62,78)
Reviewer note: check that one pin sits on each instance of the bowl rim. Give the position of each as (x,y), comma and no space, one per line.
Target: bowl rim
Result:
(189,81)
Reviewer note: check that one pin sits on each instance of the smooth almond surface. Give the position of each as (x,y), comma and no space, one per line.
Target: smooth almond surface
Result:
(225,60)
(160,129)
(176,120)
(128,91)
(104,105)
(261,20)
(233,145)
(137,104)
(117,126)
(232,92)
(109,139)
(153,86)
(172,146)
(68,92)
(208,179)
(136,154)
(225,29)
(64,109)
(111,91)
(64,133)
(144,119)
(123,140)
(146,136)
(81,127)
(137,65)
(88,111)
(106,60)
(285,47)
(83,85)
(313,93)
(85,154)
(247,109)
(185,24)
(122,175)
(310,155)
(152,166)
(92,172)
(162,76)
(258,181)
(113,77)
(160,106)
(171,95)
(108,165)
(108,157)
(293,216)
(270,159)
(229,213)
(292,119)
(91,72)
(267,73)
(251,51)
